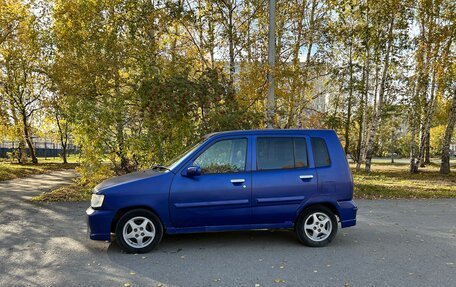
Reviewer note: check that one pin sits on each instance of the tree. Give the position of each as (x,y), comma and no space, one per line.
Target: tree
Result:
(21,78)
(56,113)
(445,164)
(436,37)
(381,94)
(135,81)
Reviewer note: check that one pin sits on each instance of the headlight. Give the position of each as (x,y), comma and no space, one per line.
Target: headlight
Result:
(97,200)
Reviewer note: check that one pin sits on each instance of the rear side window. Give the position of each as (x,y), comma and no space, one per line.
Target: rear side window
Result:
(320,152)
(300,152)
(281,153)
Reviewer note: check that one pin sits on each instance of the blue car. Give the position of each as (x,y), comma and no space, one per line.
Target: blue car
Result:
(235,180)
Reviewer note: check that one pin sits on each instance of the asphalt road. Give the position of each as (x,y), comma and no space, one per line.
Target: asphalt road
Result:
(396,243)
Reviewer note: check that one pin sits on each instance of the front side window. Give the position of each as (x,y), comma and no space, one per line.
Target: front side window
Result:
(225,156)
(281,153)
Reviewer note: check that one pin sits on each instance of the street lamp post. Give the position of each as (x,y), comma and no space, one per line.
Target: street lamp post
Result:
(270,106)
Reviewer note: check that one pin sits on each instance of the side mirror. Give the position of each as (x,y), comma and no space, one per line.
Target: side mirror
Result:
(193,171)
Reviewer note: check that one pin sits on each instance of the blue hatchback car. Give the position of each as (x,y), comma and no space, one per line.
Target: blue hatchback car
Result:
(236,180)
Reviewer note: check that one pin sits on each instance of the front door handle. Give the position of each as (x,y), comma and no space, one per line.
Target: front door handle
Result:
(307,176)
(238,180)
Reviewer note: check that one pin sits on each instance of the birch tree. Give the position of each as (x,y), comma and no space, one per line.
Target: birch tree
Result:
(445,164)
(21,77)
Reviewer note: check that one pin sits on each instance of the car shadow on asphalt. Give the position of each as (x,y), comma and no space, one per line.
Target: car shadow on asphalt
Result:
(231,239)
(181,256)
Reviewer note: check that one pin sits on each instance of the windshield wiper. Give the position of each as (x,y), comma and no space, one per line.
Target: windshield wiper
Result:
(160,167)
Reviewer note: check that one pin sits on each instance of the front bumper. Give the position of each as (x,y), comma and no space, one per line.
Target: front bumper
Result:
(99,224)
(347,213)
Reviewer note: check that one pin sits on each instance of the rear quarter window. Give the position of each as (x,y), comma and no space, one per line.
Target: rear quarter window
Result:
(320,152)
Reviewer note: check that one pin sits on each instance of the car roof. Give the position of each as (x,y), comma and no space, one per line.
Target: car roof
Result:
(311,132)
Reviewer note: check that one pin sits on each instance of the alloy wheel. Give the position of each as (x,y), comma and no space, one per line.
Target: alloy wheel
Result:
(138,232)
(318,226)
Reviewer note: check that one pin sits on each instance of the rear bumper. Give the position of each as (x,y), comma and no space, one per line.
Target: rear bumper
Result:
(347,213)
(99,224)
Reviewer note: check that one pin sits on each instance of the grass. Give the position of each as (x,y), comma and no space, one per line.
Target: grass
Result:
(13,170)
(72,192)
(389,181)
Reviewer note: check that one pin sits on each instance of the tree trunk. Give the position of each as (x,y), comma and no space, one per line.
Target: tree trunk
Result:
(424,57)
(364,105)
(425,131)
(369,126)
(63,134)
(29,142)
(211,36)
(364,97)
(311,30)
(64,153)
(378,110)
(176,33)
(413,164)
(360,139)
(21,155)
(120,125)
(309,51)
(28,137)
(231,44)
(349,108)
(445,164)
(427,156)
(296,89)
(393,144)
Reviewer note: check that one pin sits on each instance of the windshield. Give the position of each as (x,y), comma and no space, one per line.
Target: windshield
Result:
(184,155)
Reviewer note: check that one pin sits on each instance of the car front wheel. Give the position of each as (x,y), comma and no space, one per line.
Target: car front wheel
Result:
(316,227)
(139,231)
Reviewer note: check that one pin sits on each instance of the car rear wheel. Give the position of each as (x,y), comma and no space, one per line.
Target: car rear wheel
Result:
(139,231)
(316,227)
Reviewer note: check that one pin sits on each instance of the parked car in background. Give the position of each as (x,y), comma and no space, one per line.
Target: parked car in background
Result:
(235,180)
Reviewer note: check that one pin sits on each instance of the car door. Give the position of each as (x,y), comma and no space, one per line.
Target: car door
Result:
(221,195)
(283,177)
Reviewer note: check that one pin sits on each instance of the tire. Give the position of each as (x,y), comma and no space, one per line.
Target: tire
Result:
(312,223)
(139,231)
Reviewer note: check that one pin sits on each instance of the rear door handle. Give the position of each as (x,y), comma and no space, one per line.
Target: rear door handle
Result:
(238,180)
(307,176)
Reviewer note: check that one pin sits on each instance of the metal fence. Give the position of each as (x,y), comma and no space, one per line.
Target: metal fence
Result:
(43,148)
